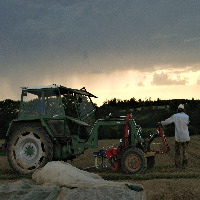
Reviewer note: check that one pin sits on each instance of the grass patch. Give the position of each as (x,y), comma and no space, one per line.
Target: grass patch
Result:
(2,152)
(148,176)
(2,141)
(9,174)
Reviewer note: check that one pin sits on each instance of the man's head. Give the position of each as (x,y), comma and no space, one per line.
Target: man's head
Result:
(181,108)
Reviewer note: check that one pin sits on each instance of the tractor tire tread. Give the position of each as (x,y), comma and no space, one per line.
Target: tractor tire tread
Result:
(29,127)
(143,161)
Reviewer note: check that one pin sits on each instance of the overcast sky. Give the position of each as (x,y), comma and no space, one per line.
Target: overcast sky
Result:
(115,48)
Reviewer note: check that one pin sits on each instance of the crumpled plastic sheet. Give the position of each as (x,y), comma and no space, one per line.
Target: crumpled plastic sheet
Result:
(27,190)
(61,181)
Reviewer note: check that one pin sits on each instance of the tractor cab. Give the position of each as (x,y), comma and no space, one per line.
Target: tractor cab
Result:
(55,101)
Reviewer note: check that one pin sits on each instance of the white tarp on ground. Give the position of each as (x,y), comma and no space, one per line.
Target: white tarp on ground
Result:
(85,185)
(61,181)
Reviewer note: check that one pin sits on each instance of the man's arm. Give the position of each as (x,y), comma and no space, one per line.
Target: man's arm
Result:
(168,121)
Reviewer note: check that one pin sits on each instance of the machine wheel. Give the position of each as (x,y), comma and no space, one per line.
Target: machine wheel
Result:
(150,162)
(114,166)
(29,148)
(133,161)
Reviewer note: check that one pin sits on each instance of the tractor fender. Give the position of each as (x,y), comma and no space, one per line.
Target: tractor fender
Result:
(15,124)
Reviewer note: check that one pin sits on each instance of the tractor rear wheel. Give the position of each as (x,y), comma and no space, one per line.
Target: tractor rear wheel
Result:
(29,148)
(133,161)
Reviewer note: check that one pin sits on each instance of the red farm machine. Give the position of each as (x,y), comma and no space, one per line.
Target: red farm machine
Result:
(131,157)
(50,122)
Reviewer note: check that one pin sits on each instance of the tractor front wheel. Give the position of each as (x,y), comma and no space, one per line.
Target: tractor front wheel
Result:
(133,161)
(29,148)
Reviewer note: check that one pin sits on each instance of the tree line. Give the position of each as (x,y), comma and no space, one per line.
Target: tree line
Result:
(145,112)
(8,111)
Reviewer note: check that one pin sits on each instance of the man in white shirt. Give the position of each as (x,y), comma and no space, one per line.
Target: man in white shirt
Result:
(182,138)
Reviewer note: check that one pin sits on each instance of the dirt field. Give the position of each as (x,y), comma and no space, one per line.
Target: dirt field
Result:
(163,182)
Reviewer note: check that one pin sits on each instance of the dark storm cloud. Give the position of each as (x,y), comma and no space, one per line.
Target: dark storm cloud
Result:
(97,36)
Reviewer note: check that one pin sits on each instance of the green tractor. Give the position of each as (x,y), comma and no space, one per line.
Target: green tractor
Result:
(50,122)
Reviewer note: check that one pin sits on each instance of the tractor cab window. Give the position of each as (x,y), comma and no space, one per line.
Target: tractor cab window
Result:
(41,103)
(79,107)
(76,105)
(85,105)
(69,105)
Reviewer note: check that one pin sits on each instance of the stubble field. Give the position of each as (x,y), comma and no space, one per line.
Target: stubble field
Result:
(161,182)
